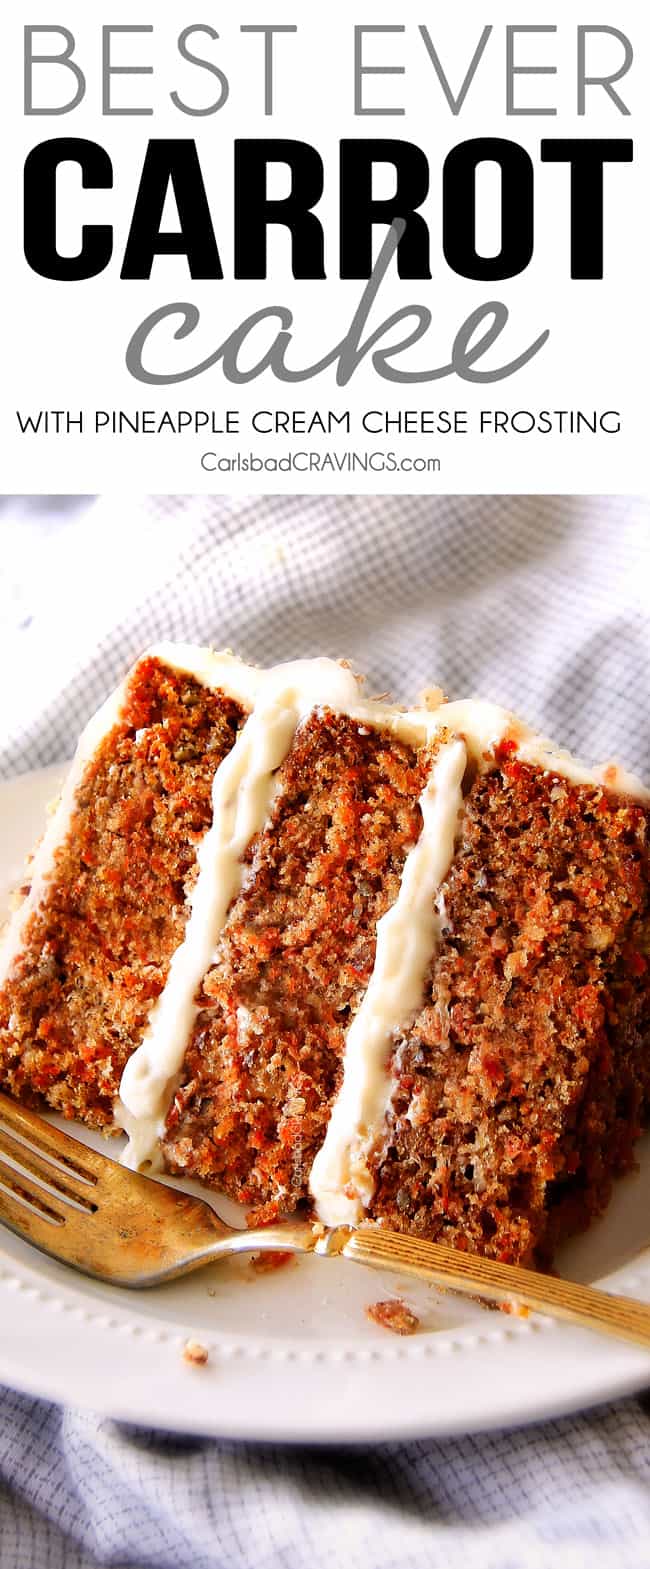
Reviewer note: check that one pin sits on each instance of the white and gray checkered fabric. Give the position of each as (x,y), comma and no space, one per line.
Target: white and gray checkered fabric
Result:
(539,603)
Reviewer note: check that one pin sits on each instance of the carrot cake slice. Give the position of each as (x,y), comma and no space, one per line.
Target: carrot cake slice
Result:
(110,888)
(330,954)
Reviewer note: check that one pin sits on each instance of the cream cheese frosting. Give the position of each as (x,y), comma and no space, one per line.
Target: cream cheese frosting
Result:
(407,940)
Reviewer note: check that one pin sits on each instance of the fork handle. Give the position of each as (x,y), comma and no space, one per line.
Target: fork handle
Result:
(621,1317)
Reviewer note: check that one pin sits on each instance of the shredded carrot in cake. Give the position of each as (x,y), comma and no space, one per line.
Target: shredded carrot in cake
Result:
(95,955)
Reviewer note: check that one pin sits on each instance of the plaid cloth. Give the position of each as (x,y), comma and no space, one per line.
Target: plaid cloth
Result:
(537,602)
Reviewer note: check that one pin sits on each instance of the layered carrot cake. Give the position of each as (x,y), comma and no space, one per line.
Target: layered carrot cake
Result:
(331,955)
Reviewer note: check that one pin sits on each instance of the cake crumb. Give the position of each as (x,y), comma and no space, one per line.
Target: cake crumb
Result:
(394,1315)
(515,1308)
(195,1353)
(263,1263)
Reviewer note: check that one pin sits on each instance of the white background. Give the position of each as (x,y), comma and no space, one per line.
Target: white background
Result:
(65,343)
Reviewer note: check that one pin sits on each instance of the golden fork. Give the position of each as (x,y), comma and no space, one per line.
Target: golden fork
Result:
(90,1213)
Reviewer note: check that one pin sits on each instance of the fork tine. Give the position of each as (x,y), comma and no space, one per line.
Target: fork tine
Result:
(44,1173)
(44,1229)
(137,1232)
(18,1194)
(81,1162)
(72,1238)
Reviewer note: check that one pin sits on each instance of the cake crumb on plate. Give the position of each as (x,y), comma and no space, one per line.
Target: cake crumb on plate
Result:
(394,1315)
(195,1353)
(263,1263)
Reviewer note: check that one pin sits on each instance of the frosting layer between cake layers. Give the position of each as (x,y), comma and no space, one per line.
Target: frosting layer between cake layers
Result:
(242,797)
(407,938)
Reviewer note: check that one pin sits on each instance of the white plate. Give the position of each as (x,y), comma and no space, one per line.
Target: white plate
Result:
(291,1354)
